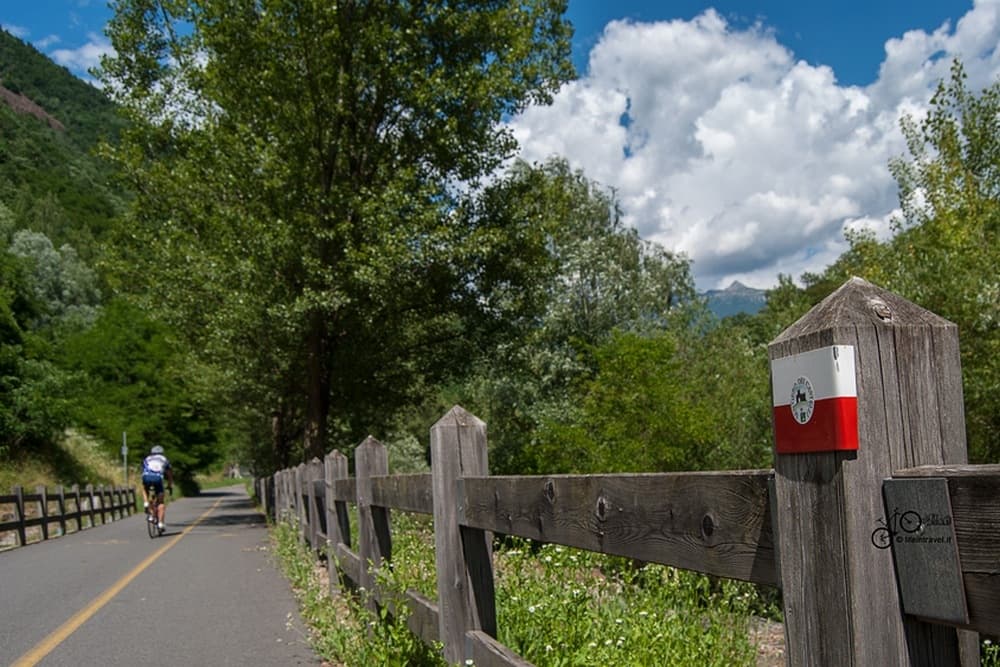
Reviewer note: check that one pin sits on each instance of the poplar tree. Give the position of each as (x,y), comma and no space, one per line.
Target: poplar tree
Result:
(297,164)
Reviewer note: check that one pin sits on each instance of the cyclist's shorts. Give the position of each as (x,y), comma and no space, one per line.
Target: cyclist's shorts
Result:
(154,481)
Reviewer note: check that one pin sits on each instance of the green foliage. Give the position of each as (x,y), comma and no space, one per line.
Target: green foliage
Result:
(296,221)
(64,286)
(34,393)
(344,629)
(133,380)
(587,275)
(555,606)
(49,178)
(665,402)
(560,607)
(946,249)
(84,110)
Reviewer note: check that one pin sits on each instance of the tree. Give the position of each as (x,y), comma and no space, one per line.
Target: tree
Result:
(588,276)
(34,392)
(131,377)
(946,247)
(297,165)
(64,286)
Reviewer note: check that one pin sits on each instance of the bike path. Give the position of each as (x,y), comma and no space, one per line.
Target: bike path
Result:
(209,583)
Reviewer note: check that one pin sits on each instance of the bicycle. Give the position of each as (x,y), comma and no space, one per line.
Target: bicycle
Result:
(908,521)
(153,512)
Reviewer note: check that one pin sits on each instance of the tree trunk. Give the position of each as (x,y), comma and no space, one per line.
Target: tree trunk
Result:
(318,388)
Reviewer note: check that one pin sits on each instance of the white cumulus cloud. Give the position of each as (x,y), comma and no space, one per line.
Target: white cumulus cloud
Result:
(84,58)
(720,144)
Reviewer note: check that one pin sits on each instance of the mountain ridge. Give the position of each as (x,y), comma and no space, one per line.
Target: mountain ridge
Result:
(735,299)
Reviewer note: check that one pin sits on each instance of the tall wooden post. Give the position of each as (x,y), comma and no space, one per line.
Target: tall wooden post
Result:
(839,590)
(79,507)
(374,537)
(314,474)
(300,506)
(338,524)
(463,555)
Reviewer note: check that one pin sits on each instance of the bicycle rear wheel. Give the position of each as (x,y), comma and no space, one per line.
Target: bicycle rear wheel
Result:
(151,522)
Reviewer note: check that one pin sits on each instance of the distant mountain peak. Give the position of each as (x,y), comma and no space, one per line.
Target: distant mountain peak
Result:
(737,298)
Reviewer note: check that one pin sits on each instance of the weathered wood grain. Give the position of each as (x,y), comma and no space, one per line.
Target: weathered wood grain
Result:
(374,536)
(345,490)
(485,651)
(337,520)
(839,592)
(975,505)
(409,493)
(464,564)
(717,523)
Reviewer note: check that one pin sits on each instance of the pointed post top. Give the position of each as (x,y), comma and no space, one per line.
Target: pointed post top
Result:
(859,303)
(369,443)
(459,416)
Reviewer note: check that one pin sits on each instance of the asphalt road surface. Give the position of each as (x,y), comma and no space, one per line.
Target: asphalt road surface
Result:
(205,593)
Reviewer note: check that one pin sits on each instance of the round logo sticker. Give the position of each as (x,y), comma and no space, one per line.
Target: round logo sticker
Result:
(802,400)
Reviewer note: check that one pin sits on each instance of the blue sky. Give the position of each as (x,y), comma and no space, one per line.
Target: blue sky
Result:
(848,35)
(747,135)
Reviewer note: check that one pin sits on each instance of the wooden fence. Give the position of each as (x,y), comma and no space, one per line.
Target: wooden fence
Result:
(72,509)
(887,554)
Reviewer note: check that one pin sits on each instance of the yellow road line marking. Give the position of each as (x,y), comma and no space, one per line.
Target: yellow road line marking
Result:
(47,645)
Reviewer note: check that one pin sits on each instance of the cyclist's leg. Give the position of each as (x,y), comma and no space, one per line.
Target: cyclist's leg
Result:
(161,508)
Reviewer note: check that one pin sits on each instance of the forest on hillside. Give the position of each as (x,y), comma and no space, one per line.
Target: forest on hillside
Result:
(282,232)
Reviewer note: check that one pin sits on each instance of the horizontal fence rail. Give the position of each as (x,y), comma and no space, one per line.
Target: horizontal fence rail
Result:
(714,523)
(71,510)
(864,558)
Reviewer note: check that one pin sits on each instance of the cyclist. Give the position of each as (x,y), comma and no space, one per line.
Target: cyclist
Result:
(156,468)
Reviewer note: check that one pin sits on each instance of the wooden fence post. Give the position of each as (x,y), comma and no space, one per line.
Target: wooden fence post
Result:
(839,591)
(22,532)
(79,507)
(104,504)
(90,505)
(338,524)
(43,506)
(286,495)
(300,506)
(374,540)
(279,495)
(313,473)
(62,509)
(466,597)
(319,503)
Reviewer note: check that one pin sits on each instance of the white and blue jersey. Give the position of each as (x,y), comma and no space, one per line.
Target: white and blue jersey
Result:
(154,467)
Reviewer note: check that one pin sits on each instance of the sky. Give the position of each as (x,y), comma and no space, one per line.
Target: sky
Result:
(748,135)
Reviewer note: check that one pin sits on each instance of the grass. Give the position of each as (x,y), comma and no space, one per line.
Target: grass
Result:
(555,607)
(77,459)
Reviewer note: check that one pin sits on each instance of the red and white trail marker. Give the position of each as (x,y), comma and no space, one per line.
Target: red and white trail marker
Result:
(815,398)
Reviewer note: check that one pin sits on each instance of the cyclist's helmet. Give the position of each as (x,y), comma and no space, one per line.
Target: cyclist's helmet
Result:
(156,450)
